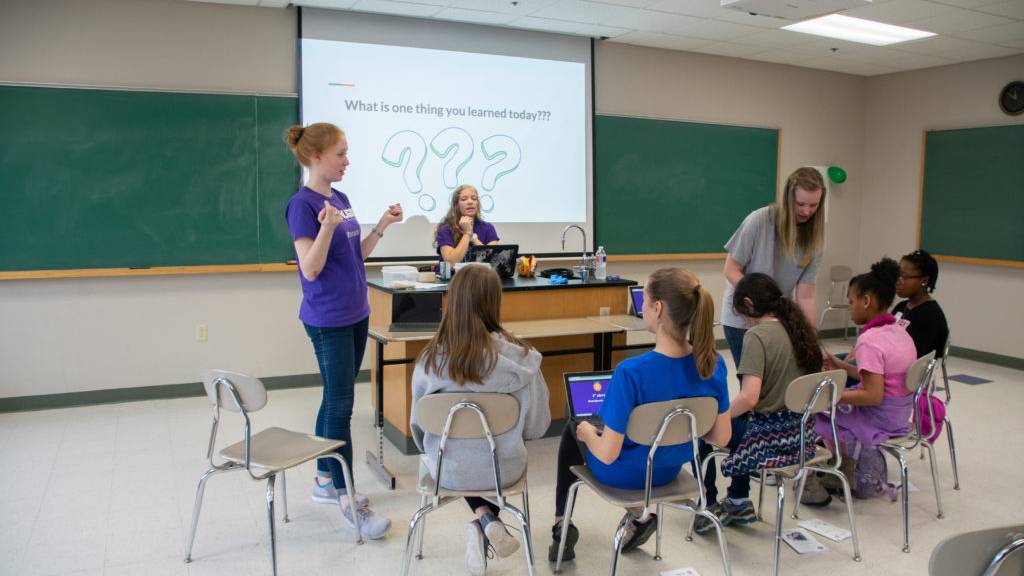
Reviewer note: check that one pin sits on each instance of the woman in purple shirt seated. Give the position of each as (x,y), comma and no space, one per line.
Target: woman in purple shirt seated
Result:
(335,310)
(463,226)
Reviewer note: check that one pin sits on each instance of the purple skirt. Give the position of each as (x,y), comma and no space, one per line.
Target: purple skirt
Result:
(867,426)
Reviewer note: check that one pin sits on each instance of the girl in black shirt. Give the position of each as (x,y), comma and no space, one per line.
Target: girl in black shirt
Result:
(919,272)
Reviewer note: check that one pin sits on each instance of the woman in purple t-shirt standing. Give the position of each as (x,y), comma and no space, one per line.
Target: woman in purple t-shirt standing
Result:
(463,227)
(335,310)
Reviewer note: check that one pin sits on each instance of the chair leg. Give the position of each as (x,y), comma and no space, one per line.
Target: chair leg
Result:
(952,454)
(617,542)
(198,506)
(350,490)
(935,479)
(284,496)
(565,522)
(526,501)
(657,533)
(422,529)
(905,495)
(849,510)
(760,494)
(780,502)
(799,492)
(413,527)
(720,532)
(821,319)
(270,519)
(524,524)
(689,530)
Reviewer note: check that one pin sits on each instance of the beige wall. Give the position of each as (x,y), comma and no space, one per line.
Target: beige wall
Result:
(982,303)
(87,334)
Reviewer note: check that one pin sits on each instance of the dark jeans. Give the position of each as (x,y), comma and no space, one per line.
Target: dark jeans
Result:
(740,485)
(339,352)
(734,336)
(569,455)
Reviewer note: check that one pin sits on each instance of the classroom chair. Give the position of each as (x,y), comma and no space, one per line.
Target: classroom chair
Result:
(992,552)
(839,277)
(948,422)
(265,455)
(919,383)
(807,395)
(657,424)
(481,415)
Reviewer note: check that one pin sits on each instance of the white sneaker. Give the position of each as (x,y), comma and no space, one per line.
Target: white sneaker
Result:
(476,554)
(504,543)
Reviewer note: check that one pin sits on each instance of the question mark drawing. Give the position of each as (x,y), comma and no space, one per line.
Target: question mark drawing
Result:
(406,148)
(456,145)
(505,152)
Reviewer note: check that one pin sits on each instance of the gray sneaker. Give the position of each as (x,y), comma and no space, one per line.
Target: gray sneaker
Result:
(703,526)
(476,553)
(328,494)
(497,534)
(372,527)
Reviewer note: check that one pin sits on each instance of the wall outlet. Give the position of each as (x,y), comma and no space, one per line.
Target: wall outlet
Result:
(604,311)
(201,333)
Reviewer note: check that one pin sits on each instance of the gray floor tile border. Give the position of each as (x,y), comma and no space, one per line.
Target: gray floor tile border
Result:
(191,389)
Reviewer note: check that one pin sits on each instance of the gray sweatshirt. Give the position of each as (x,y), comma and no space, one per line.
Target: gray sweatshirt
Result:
(467,462)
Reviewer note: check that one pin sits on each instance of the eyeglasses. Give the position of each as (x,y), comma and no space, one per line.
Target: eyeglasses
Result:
(905,277)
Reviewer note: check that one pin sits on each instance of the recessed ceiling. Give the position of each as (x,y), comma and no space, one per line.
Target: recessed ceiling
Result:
(966,29)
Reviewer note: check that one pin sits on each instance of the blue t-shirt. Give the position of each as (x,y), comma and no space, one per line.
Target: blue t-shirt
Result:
(338,295)
(484,231)
(652,377)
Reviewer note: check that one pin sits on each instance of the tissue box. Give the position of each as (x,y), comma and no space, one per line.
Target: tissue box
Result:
(399,273)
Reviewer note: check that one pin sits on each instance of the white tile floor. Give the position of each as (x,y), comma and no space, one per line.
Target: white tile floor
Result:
(109,490)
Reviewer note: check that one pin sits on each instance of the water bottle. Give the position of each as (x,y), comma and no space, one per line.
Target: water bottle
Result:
(601,264)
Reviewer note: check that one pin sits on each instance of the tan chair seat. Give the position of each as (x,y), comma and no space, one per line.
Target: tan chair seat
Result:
(902,442)
(684,487)
(821,454)
(279,449)
(427,482)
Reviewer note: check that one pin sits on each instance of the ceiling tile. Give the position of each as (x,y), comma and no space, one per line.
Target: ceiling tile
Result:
(233,2)
(655,40)
(980,52)
(587,12)
(899,12)
(740,17)
(933,45)
(847,66)
(522,7)
(335,4)
(546,24)
(718,30)
(275,3)
(782,57)
(1013,9)
(400,8)
(598,31)
(774,38)
(637,3)
(820,46)
(731,49)
(968,3)
(701,8)
(910,61)
(476,16)
(956,21)
(1012,32)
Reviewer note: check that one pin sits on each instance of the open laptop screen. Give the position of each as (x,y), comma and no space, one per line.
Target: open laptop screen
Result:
(587,392)
(637,295)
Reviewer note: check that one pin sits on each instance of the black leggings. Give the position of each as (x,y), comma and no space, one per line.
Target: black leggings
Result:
(476,502)
(569,454)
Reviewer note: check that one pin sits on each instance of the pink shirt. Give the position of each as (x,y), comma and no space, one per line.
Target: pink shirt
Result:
(887,350)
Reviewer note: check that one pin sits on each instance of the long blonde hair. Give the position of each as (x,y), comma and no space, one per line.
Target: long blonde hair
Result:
(451,219)
(691,310)
(809,236)
(463,347)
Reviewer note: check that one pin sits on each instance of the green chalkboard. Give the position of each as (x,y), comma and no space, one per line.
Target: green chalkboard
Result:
(115,179)
(973,193)
(667,187)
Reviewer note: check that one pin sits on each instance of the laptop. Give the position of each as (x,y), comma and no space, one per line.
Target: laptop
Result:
(501,257)
(636,296)
(584,394)
(415,311)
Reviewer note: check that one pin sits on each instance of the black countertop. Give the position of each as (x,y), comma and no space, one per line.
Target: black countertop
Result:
(515,284)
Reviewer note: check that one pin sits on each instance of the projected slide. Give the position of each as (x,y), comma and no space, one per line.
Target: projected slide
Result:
(421,122)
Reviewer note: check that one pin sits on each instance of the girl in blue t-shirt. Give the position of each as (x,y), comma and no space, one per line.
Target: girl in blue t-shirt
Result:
(463,226)
(684,364)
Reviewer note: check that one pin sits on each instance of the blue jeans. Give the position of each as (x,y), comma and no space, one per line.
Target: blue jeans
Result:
(339,352)
(734,336)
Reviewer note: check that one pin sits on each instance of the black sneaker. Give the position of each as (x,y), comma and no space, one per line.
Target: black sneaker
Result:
(641,532)
(703,526)
(571,537)
(738,514)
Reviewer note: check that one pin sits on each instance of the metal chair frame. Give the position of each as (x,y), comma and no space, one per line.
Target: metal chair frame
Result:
(948,422)
(698,508)
(840,306)
(1012,547)
(437,500)
(270,476)
(925,386)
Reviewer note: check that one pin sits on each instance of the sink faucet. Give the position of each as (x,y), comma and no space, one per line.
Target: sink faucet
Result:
(583,258)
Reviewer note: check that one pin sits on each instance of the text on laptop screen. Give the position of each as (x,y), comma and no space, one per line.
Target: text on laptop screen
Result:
(638,300)
(588,393)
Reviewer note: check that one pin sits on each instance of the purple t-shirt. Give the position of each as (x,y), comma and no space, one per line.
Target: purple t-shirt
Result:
(484,231)
(338,295)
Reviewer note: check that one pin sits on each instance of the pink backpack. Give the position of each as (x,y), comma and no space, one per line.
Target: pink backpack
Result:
(930,430)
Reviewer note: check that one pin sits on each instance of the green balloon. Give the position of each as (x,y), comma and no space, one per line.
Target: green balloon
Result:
(836,174)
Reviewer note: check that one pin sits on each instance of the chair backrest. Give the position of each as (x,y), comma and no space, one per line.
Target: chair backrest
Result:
(920,372)
(840,273)
(250,390)
(800,391)
(974,553)
(501,411)
(645,420)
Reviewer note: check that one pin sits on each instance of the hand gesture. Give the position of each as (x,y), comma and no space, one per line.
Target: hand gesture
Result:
(329,216)
(391,215)
(466,224)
